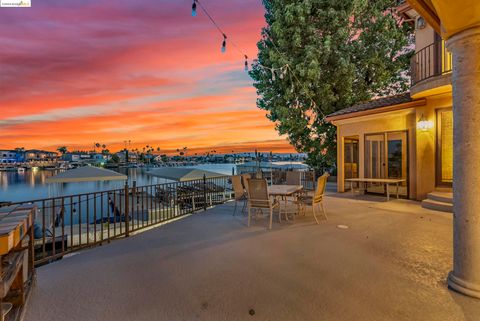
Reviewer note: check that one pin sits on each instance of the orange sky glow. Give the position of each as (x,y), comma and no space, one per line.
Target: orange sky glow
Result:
(73,73)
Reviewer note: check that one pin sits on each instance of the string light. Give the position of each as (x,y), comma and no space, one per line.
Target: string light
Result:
(224,43)
(194,8)
(283,71)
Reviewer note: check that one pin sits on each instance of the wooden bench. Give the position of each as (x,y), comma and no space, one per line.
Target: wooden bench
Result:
(16,256)
(383,181)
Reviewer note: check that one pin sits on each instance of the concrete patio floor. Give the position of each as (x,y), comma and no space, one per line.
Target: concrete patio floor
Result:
(390,264)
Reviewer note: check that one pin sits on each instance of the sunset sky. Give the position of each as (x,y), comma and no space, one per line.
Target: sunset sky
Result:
(77,72)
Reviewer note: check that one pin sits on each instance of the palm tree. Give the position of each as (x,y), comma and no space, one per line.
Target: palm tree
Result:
(62,150)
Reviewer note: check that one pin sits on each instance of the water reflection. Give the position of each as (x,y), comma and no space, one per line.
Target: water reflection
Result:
(30,185)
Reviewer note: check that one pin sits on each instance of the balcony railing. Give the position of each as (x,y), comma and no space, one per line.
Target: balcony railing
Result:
(69,223)
(431,61)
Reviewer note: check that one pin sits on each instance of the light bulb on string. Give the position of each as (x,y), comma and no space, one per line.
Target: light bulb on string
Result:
(194,8)
(224,44)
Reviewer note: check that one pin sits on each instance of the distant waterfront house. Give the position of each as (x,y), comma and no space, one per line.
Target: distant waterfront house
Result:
(83,156)
(132,156)
(9,157)
(99,157)
(40,155)
(72,157)
(407,136)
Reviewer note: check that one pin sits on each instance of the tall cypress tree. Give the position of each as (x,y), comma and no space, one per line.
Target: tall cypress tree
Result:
(319,56)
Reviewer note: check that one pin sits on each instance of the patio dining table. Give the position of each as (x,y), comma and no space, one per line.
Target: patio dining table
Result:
(384,181)
(283,191)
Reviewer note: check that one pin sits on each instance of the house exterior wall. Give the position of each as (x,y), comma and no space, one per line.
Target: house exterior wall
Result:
(422,144)
(426,148)
(424,37)
(403,120)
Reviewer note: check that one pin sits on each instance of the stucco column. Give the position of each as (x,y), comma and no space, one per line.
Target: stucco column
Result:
(465,47)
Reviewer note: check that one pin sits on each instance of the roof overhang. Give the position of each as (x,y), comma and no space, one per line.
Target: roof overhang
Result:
(386,109)
(449,17)
(426,9)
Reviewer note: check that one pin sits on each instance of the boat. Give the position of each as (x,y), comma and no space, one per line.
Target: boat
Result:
(49,167)
(8,168)
(21,169)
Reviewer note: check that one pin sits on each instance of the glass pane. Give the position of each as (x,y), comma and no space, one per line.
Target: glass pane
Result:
(375,156)
(350,159)
(397,160)
(394,158)
(397,155)
(446,147)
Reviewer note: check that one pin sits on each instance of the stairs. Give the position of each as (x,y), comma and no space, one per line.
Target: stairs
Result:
(439,201)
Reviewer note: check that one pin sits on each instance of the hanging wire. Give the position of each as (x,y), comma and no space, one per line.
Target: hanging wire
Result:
(224,35)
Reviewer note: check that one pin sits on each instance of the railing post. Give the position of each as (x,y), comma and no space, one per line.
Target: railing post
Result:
(204,192)
(134,202)
(126,207)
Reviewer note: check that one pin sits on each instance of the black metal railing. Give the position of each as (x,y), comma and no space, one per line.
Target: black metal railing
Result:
(69,223)
(431,61)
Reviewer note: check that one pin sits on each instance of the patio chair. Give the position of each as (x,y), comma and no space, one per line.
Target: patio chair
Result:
(245,178)
(316,199)
(308,182)
(259,199)
(239,191)
(278,177)
(294,178)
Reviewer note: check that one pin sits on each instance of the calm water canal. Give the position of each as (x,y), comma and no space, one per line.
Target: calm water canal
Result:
(30,185)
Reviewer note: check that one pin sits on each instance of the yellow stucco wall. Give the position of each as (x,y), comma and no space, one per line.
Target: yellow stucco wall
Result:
(421,144)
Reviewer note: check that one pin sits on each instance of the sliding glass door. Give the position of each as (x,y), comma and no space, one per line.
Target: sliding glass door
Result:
(386,156)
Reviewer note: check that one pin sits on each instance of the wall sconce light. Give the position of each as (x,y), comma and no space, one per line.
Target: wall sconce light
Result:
(421,24)
(424,124)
